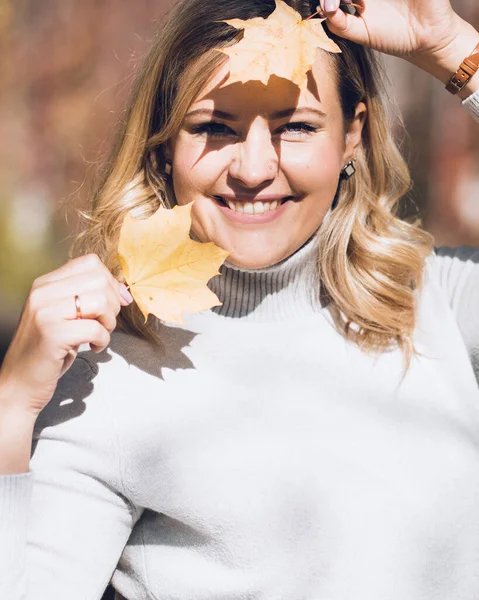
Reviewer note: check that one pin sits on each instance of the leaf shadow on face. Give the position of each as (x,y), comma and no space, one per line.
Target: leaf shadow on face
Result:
(249,100)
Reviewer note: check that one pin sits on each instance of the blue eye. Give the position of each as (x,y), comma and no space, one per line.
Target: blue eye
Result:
(213,130)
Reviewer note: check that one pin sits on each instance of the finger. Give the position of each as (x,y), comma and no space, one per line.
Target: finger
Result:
(83,331)
(350,27)
(85,264)
(125,297)
(97,306)
(68,360)
(56,302)
(102,307)
(329,6)
(53,292)
(76,266)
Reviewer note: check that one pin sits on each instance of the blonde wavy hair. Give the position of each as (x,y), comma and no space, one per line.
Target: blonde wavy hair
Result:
(370,261)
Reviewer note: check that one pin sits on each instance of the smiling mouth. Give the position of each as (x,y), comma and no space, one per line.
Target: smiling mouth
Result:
(257,207)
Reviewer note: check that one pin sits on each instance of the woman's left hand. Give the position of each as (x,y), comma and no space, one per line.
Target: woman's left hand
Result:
(404,28)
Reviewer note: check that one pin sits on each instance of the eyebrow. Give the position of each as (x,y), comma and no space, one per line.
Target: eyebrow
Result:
(281,114)
(289,112)
(207,112)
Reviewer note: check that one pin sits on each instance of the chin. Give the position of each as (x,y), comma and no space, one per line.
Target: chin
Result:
(249,260)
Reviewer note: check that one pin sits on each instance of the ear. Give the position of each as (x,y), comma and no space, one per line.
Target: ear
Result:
(354,133)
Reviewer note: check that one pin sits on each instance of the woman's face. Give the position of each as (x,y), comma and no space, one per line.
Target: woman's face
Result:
(262,163)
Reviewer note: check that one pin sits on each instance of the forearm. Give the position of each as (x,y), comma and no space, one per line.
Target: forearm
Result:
(16,433)
(445,62)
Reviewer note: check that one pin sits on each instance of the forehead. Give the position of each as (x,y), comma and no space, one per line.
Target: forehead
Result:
(321,92)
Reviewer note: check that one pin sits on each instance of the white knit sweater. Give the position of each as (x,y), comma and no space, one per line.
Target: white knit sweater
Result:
(259,455)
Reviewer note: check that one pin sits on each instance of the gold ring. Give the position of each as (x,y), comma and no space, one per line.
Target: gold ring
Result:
(78,307)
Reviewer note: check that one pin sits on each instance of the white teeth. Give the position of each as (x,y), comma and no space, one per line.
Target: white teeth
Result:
(253,208)
(259,208)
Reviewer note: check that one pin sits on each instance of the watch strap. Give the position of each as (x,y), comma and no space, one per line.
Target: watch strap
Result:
(468,67)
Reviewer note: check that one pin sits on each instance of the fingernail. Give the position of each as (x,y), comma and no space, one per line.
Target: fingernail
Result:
(330,5)
(125,294)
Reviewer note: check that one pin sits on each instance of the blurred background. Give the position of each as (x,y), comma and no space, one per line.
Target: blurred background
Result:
(66,71)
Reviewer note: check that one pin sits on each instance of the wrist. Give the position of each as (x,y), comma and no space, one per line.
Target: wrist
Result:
(16,435)
(12,407)
(444,62)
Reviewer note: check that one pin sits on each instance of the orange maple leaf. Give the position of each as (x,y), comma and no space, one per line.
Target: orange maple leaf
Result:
(165,269)
(283,44)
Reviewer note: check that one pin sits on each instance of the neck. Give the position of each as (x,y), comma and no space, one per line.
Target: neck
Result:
(288,289)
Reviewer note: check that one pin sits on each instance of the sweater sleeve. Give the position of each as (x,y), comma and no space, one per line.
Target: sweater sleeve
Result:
(471,104)
(63,525)
(457,272)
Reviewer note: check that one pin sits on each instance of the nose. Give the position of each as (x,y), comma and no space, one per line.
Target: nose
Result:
(255,159)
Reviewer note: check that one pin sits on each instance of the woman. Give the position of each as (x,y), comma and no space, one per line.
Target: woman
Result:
(314,437)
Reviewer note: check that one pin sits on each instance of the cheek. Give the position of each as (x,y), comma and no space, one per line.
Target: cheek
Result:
(313,166)
(196,170)
(308,166)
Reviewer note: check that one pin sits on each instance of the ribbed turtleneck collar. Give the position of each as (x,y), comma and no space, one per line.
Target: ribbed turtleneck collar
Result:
(288,289)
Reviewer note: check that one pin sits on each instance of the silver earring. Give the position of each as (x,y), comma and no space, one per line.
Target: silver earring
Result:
(168,168)
(348,170)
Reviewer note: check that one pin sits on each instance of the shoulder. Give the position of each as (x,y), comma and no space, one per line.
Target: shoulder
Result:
(453,279)
(456,271)
(448,259)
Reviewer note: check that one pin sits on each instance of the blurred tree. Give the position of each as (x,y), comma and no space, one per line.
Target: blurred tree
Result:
(443,148)
(66,69)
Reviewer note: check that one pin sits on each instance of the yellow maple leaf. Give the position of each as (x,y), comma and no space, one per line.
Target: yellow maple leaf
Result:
(283,44)
(165,269)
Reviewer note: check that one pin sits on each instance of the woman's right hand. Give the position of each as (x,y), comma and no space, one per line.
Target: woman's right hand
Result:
(49,333)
